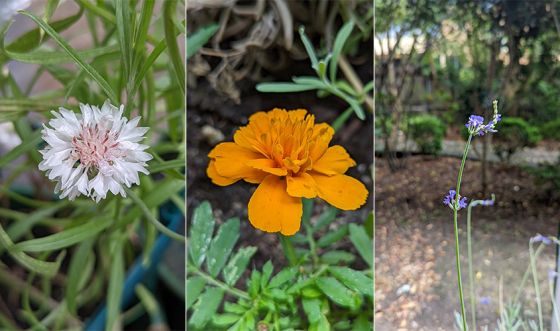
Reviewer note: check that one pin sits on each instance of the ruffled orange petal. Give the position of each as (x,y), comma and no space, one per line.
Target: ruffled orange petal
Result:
(341,191)
(230,160)
(267,165)
(302,185)
(271,209)
(335,161)
(322,133)
(216,177)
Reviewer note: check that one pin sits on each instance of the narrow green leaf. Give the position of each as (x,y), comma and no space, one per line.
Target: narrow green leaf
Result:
(353,279)
(337,292)
(139,78)
(234,308)
(309,80)
(362,242)
(199,38)
(266,273)
(65,238)
(339,42)
(122,14)
(312,309)
(357,108)
(75,273)
(224,320)
(116,282)
(332,237)
(362,323)
(24,147)
(283,87)
(72,53)
(195,285)
(201,229)
(222,246)
(335,257)
(172,47)
(342,118)
(308,47)
(237,265)
(286,275)
(48,269)
(326,218)
(254,283)
(205,308)
(141,34)
(164,190)
(50,8)
(23,226)
(30,39)
(56,57)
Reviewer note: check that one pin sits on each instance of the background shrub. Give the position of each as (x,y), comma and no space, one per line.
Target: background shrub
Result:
(551,130)
(428,132)
(514,133)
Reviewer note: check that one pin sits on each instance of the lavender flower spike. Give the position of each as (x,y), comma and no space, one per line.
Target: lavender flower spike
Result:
(449,200)
(540,238)
(476,124)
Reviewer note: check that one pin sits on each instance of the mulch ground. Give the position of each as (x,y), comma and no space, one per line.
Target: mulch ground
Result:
(415,261)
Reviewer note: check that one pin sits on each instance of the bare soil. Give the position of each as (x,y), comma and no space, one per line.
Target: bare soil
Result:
(416,284)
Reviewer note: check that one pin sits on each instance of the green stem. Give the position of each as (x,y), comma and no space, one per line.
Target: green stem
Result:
(456,231)
(162,228)
(526,275)
(536,284)
(225,287)
(471,273)
(288,248)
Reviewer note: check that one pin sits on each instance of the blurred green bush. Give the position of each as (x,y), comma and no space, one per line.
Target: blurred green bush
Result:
(514,133)
(428,132)
(551,130)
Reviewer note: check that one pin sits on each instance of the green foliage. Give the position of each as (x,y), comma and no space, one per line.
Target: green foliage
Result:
(551,130)
(319,293)
(326,82)
(514,133)
(132,59)
(428,132)
(547,177)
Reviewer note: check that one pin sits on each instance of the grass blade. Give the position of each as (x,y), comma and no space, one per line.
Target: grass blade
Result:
(339,42)
(75,56)
(171,40)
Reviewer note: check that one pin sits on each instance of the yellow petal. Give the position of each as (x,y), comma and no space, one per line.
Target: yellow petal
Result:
(230,161)
(267,165)
(271,209)
(341,191)
(216,177)
(302,185)
(335,161)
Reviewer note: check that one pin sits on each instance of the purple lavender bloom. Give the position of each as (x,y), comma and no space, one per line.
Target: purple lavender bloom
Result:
(474,122)
(487,202)
(540,238)
(484,300)
(449,200)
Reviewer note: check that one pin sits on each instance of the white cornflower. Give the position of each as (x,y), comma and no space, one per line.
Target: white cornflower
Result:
(93,152)
(8,8)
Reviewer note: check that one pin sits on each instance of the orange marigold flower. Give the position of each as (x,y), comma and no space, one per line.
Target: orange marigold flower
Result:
(289,156)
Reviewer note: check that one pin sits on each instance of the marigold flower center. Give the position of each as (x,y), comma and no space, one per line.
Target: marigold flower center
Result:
(288,142)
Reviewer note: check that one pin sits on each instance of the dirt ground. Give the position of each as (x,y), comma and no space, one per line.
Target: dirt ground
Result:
(416,284)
